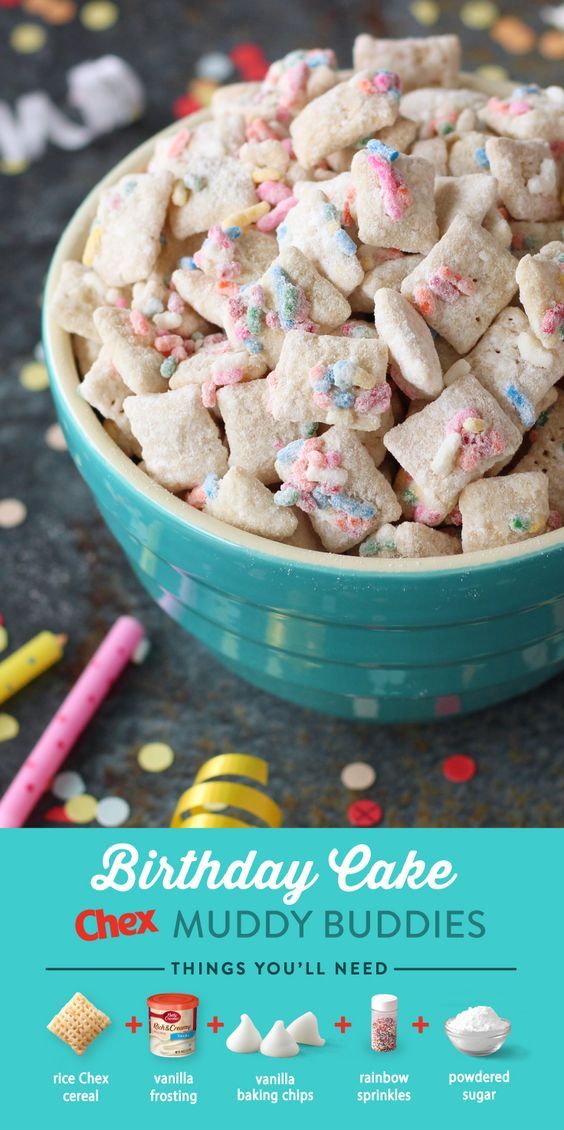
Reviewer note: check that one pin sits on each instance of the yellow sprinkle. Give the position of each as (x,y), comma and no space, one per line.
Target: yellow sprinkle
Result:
(13,168)
(3,638)
(179,194)
(493,72)
(99,16)
(34,376)
(27,38)
(81,809)
(155,757)
(9,727)
(426,12)
(92,245)
(248,216)
(202,90)
(479,14)
(538,525)
(259,175)
(474,425)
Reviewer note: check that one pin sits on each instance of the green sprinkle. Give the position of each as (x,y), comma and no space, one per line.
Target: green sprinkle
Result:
(168,367)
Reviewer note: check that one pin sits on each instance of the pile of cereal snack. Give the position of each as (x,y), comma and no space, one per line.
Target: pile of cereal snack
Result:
(332,313)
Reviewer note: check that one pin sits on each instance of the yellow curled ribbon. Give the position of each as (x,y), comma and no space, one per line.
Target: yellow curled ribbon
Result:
(195,808)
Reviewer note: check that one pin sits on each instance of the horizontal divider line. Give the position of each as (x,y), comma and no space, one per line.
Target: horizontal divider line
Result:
(455,968)
(105,969)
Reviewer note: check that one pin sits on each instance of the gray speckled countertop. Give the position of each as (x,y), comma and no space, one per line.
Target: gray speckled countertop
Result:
(62,570)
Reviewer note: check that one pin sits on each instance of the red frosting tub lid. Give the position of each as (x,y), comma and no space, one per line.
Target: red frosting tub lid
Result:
(172,1000)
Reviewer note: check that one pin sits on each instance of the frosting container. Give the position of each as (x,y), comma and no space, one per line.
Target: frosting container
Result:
(172,1024)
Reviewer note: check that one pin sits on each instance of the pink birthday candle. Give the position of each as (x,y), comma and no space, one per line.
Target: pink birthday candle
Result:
(74,714)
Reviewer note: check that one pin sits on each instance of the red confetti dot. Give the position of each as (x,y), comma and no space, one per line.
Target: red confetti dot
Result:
(185,105)
(365,813)
(459,768)
(250,60)
(56,815)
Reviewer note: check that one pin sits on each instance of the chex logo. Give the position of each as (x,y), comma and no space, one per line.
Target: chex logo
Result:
(94,925)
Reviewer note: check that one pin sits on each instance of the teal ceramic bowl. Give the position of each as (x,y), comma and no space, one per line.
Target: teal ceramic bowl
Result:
(387,641)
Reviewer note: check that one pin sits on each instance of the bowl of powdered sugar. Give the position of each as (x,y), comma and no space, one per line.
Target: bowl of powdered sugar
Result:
(477,1031)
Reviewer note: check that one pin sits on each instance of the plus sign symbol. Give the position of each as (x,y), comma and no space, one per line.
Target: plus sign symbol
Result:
(420,1024)
(215,1025)
(134,1024)
(342,1025)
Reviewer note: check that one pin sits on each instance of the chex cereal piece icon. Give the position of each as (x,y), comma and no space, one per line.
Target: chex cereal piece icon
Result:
(79,1023)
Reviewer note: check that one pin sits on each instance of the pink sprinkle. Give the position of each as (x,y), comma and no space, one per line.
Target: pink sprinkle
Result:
(178,143)
(209,397)
(448,285)
(197,498)
(259,130)
(228,377)
(275,217)
(180,353)
(167,342)
(427,517)
(456,422)
(396,196)
(138,322)
(273,191)
(553,318)
(554,520)
(175,303)
(287,143)
(121,302)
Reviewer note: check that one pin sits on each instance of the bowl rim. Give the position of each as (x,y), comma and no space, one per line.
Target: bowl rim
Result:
(503,1030)
(63,373)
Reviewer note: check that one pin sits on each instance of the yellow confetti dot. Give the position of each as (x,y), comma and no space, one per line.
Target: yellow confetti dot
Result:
(12,513)
(479,14)
(202,90)
(9,727)
(3,638)
(155,757)
(13,168)
(426,12)
(27,38)
(34,376)
(493,72)
(81,809)
(99,15)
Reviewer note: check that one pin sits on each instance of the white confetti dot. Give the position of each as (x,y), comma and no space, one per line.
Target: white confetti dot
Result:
(12,513)
(112,811)
(358,775)
(214,66)
(66,785)
(141,651)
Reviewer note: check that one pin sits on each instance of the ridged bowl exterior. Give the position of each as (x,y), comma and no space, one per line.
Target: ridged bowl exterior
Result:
(387,641)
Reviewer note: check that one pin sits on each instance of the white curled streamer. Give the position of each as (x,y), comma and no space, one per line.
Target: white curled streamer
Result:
(107,93)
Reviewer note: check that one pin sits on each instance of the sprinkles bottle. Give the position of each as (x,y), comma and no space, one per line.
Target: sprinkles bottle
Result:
(384,1022)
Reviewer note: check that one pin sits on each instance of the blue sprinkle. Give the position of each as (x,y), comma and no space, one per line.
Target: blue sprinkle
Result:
(481,157)
(168,367)
(153,306)
(380,149)
(253,346)
(343,374)
(321,497)
(346,245)
(522,405)
(233,233)
(522,91)
(352,506)
(286,496)
(343,400)
(290,452)
(324,384)
(210,485)
(282,233)
(187,263)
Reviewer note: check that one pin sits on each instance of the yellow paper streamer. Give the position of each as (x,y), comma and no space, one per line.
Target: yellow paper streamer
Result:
(192,810)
